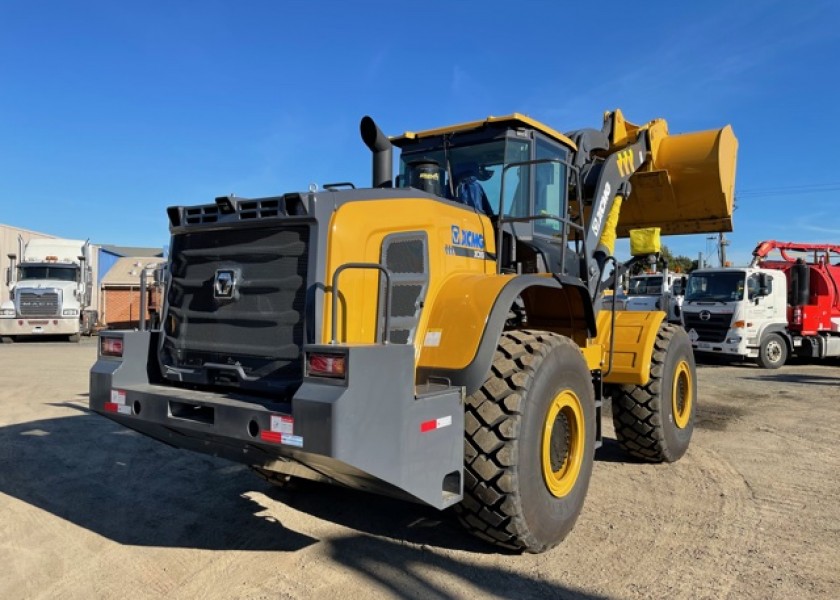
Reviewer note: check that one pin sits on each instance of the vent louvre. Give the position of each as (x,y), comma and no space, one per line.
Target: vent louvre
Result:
(405,255)
(247,210)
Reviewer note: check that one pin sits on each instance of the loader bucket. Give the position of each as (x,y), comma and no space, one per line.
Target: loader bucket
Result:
(687,185)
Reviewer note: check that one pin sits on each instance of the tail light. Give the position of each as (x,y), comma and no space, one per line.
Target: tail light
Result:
(111,346)
(797,315)
(322,364)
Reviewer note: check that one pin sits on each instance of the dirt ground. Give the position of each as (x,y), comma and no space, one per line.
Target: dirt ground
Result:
(91,510)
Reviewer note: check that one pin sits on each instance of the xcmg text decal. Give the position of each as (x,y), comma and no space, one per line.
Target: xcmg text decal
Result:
(467,239)
(465,243)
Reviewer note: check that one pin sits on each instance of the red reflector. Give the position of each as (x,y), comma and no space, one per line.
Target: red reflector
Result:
(111,346)
(428,425)
(271,436)
(110,406)
(327,365)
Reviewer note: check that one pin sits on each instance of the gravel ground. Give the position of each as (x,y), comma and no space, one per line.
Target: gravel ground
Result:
(90,509)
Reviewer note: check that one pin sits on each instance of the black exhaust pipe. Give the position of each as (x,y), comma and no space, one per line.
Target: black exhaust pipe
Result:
(380,145)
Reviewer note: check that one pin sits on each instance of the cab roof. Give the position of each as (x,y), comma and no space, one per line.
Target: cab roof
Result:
(515,120)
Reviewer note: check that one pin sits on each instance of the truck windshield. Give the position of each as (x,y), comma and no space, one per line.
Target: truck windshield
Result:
(644,286)
(48,272)
(719,287)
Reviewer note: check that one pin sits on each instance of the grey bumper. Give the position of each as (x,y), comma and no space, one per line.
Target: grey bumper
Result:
(376,433)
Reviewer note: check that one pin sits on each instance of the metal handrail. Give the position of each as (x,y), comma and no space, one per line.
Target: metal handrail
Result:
(334,291)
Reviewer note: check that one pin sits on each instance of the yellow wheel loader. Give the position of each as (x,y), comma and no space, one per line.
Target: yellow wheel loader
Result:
(435,337)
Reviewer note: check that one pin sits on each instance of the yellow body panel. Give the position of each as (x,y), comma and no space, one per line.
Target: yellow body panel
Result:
(356,235)
(458,317)
(593,354)
(635,334)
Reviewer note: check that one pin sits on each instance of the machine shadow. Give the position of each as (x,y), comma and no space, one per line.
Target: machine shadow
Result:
(118,484)
(404,572)
(398,520)
(136,491)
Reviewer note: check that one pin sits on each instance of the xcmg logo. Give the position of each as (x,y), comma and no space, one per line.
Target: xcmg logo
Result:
(466,238)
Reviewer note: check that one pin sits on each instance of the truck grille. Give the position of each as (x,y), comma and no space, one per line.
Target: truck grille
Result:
(32,304)
(235,313)
(712,330)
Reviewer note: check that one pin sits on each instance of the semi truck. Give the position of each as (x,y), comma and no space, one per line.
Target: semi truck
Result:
(434,337)
(786,302)
(49,282)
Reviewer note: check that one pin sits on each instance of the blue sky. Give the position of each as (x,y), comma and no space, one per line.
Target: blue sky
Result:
(111,111)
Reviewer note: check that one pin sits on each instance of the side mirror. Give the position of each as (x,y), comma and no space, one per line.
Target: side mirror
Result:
(8,275)
(763,287)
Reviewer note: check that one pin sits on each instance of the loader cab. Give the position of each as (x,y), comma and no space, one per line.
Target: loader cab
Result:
(523,169)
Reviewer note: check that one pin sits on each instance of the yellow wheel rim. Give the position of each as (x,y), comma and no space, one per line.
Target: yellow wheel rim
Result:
(681,399)
(563,443)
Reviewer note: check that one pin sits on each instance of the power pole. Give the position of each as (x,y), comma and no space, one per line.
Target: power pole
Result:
(722,244)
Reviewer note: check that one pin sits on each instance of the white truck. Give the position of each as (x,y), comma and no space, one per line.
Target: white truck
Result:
(739,312)
(652,291)
(49,285)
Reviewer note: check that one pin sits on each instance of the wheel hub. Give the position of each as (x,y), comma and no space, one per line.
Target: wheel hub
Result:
(563,443)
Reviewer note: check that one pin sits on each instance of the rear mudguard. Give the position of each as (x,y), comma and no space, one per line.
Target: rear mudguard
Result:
(470,312)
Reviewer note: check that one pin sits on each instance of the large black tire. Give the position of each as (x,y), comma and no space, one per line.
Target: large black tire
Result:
(74,338)
(7,339)
(529,443)
(655,421)
(773,352)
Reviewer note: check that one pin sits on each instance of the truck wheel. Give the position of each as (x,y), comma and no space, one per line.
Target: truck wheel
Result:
(773,352)
(655,421)
(529,443)
(75,338)
(7,339)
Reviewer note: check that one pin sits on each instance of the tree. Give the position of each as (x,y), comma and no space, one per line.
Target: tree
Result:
(678,263)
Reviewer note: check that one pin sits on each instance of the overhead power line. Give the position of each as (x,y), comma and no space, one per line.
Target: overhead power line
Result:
(818,188)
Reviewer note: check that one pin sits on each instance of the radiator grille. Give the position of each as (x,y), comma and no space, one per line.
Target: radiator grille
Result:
(258,329)
(713,329)
(32,304)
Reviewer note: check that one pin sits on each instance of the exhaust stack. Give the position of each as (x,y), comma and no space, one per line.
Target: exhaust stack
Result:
(380,145)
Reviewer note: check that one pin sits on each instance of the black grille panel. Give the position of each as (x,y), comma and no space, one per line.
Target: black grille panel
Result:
(39,305)
(714,329)
(404,254)
(210,338)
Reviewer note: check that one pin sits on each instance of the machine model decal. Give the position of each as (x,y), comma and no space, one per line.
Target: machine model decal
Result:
(602,207)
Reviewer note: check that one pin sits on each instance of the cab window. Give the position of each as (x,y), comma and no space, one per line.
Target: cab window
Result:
(550,187)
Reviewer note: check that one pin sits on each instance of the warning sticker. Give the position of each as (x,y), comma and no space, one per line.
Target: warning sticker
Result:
(432,339)
(292,440)
(118,397)
(282,424)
